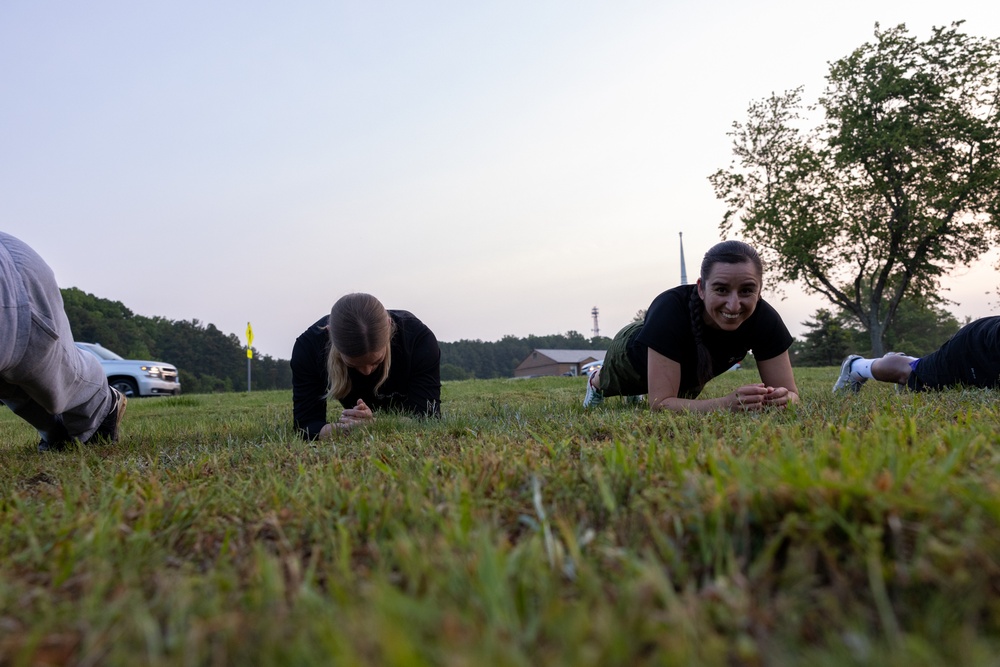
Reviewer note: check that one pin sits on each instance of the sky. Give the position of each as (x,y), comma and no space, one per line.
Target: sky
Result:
(495,167)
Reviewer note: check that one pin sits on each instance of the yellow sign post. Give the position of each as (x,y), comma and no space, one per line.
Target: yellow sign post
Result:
(249,352)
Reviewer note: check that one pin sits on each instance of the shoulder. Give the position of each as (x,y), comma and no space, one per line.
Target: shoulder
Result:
(310,350)
(672,304)
(407,322)
(318,328)
(402,316)
(412,338)
(766,313)
(767,334)
(675,297)
(668,322)
(315,335)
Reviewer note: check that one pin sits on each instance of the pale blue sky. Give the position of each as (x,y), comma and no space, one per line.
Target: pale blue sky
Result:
(494,167)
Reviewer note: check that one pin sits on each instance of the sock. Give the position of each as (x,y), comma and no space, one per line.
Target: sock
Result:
(863,368)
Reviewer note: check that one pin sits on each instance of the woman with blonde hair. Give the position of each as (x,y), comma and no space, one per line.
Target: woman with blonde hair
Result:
(368,358)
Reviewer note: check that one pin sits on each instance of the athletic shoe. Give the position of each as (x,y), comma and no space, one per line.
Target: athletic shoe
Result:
(847,380)
(108,430)
(594,396)
(54,446)
(56,439)
(633,400)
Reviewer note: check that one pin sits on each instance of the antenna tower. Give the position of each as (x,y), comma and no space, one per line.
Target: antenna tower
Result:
(684,273)
(597,329)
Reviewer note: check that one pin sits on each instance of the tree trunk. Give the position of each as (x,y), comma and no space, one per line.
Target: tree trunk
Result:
(877,332)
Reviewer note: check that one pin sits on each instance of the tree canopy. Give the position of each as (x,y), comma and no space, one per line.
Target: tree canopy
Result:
(917,328)
(896,185)
(207,359)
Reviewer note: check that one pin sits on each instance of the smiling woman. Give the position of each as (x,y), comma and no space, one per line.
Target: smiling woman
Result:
(692,333)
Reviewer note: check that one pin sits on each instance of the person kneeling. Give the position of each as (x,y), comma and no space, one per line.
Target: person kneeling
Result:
(45,378)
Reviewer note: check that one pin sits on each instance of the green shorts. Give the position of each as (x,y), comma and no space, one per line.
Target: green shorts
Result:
(618,376)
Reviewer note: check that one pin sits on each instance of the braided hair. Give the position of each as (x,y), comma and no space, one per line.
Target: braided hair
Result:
(727,252)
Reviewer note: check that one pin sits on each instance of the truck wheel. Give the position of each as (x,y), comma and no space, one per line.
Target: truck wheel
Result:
(125,386)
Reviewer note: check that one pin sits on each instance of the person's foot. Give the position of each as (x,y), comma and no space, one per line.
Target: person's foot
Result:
(633,400)
(594,395)
(53,446)
(55,438)
(848,381)
(109,428)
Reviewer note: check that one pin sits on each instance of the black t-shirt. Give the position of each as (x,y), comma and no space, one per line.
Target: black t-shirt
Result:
(413,385)
(667,330)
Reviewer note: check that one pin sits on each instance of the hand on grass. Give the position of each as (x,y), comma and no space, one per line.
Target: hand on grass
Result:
(780,397)
(757,397)
(349,418)
(359,414)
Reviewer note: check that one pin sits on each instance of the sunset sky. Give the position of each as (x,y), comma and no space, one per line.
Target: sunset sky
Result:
(494,167)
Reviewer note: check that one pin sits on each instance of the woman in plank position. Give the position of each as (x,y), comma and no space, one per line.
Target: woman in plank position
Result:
(692,333)
(367,358)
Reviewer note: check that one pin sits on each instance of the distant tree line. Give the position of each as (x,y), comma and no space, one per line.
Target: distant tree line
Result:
(210,361)
(467,359)
(207,359)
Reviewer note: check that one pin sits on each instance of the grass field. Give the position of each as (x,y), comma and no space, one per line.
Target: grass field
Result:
(517,530)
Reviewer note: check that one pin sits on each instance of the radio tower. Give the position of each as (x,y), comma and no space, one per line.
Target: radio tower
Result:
(684,273)
(597,329)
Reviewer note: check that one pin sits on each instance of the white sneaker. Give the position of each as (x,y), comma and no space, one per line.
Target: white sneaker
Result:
(594,396)
(848,381)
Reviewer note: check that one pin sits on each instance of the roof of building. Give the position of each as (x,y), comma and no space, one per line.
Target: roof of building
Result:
(571,356)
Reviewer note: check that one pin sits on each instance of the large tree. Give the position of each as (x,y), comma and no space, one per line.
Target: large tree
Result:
(896,183)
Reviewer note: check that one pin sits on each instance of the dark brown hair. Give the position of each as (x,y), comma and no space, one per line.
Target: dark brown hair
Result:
(727,252)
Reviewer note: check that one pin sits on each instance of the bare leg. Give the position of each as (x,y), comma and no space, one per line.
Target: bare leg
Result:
(892,368)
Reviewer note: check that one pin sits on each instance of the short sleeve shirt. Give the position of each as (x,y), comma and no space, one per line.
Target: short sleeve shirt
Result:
(667,330)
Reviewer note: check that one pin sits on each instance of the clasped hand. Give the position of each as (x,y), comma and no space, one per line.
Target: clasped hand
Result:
(351,417)
(758,397)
